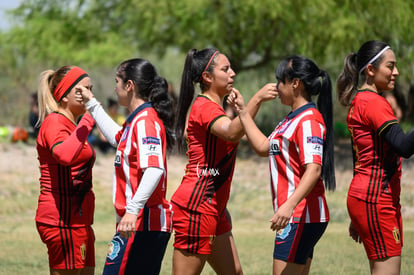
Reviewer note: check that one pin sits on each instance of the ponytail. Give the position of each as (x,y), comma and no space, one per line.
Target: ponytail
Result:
(196,63)
(325,106)
(347,83)
(185,98)
(355,64)
(47,103)
(163,105)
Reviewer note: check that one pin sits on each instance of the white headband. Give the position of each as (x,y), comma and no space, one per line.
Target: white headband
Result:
(374,58)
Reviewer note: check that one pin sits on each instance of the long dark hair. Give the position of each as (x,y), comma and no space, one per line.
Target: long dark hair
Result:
(348,79)
(196,62)
(316,82)
(151,87)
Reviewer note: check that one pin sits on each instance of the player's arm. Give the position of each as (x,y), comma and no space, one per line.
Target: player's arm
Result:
(403,144)
(309,179)
(232,129)
(146,187)
(106,124)
(67,151)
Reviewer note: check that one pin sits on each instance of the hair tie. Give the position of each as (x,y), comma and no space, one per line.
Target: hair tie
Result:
(208,64)
(374,58)
(67,83)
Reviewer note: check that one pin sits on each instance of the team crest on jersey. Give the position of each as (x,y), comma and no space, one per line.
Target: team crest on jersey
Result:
(283,128)
(125,133)
(283,233)
(83,251)
(113,250)
(396,234)
(212,238)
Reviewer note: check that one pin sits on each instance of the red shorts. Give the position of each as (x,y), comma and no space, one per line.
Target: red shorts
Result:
(68,248)
(195,232)
(379,226)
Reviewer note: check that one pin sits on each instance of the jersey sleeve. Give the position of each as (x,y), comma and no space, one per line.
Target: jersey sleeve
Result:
(309,140)
(66,145)
(210,112)
(150,143)
(379,114)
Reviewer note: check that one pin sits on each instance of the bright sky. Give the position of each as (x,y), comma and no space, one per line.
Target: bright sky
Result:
(6,5)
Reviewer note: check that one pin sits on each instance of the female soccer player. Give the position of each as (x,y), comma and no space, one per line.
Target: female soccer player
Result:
(144,216)
(378,145)
(201,222)
(300,152)
(66,202)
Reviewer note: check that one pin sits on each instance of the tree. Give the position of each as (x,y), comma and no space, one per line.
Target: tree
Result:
(254,34)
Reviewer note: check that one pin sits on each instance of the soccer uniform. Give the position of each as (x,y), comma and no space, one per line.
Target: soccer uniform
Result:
(298,140)
(205,187)
(141,144)
(66,201)
(373,196)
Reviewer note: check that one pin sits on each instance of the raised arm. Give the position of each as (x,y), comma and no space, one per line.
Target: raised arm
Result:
(106,124)
(232,130)
(256,138)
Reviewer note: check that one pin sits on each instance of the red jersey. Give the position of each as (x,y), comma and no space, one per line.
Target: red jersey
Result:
(66,159)
(296,141)
(205,187)
(377,168)
(142,143)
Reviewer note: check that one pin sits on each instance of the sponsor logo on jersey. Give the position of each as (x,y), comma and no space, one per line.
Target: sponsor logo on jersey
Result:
(207,171)
(151,140)
(152,147)
(118,159)
(274,148)
(314,140)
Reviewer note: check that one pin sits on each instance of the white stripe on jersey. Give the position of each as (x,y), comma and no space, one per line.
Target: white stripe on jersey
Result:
(322,209)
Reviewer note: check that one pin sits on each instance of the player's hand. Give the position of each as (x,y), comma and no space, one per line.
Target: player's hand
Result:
(236,100)
(84,93)
(126,226)
(282,217)
(267,92)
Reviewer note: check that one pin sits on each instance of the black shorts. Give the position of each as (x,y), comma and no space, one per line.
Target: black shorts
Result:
(296,241)
(139,254)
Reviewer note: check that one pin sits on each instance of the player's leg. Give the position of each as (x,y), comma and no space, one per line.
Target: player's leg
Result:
(387,266)
(224,258)
(185,263)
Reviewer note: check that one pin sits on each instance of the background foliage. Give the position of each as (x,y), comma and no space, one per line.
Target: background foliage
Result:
(99,34)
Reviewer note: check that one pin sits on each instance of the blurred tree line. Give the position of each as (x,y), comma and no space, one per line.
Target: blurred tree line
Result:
(99,34)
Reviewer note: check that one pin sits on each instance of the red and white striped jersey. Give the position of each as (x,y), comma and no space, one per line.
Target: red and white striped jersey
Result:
(377,168)
(141,144)
(205,187)
(296,141)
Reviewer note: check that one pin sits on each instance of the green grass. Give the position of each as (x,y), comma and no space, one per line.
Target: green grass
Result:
(22,251)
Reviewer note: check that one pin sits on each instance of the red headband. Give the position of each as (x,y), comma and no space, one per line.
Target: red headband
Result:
(208,64)
(69,81)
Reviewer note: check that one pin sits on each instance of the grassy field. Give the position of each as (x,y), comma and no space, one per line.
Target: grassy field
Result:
(22,252)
